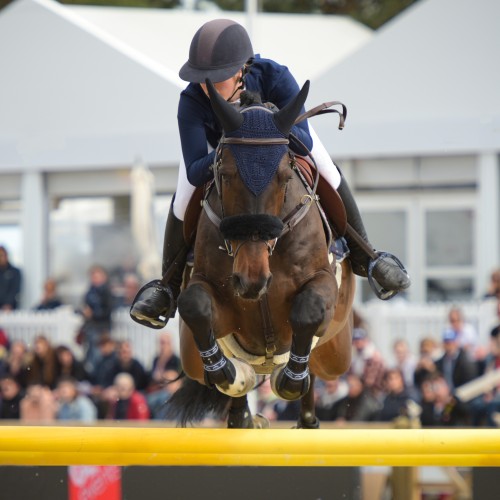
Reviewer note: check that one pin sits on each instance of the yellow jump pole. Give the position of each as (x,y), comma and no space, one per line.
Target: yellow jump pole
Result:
(236,447)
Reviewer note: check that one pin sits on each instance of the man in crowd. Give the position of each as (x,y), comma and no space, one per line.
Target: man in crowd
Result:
(10,282)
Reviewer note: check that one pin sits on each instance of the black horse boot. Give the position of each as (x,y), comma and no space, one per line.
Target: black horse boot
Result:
(386,269)
(162,302)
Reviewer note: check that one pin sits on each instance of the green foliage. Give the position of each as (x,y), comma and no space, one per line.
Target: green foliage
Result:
(372,13)
(156,4)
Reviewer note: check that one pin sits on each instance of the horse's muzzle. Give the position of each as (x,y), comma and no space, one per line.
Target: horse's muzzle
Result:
(250,290)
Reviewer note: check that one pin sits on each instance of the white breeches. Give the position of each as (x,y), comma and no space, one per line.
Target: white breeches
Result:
(325,165)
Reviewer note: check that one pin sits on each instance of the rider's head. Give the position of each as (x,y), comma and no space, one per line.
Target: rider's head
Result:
(219,51)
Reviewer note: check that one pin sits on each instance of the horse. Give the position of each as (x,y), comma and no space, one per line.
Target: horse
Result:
(264,296)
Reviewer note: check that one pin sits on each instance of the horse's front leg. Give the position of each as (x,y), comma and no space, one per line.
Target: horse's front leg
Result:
(233,377)
(309,309)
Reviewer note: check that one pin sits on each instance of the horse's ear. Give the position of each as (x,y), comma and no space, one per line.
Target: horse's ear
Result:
(285,117)
(230,119)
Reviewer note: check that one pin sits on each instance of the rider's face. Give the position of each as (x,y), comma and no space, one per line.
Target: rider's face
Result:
(227,87)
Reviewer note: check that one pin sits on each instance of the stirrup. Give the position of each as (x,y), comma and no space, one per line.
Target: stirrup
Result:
(379,291)
(161,321)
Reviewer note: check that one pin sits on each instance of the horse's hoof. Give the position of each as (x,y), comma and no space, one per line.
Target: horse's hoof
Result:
(260,422)
(244,379)
(286,388)
(306,424)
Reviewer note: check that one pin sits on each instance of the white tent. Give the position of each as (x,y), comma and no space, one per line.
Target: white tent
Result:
(427,82)
(72,95)
(423,132)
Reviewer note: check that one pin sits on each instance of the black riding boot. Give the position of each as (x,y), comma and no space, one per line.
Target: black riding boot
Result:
(388,274)
(163,300)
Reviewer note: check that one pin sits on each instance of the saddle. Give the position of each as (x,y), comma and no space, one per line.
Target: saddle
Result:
(329,200)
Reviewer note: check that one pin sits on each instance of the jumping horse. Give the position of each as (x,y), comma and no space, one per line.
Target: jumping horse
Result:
(265,296)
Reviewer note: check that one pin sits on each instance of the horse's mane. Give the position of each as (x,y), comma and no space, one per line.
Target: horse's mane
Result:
(249,98)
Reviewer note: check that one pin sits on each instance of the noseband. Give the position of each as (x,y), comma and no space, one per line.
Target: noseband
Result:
(256,227)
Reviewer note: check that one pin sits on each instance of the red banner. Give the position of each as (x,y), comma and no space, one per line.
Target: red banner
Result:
(96,482)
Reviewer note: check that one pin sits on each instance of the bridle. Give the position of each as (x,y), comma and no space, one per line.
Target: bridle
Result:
(288,222)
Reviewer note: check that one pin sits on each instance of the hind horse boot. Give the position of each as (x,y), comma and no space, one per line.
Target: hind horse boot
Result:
(386,269)
(162,302)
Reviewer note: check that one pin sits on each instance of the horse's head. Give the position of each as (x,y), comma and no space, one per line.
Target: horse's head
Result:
(251,172)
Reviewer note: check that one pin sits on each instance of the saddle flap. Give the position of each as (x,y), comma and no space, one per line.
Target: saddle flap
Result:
(329,199)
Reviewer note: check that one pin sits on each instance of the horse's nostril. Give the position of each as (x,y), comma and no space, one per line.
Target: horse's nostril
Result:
(238,283)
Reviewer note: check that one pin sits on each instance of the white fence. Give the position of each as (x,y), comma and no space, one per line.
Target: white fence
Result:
(388,321)
(61,326)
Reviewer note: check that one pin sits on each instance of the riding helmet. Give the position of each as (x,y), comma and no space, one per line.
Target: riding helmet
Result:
(218,50)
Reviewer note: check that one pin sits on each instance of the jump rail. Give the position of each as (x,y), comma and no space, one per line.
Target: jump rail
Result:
(236,447)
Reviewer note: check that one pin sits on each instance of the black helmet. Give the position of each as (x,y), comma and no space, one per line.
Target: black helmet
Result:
(218,50)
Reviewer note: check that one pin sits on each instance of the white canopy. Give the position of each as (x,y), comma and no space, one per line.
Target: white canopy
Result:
(94,87)
(427,83)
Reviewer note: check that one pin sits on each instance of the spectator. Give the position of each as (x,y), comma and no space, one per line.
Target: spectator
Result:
(367,362)
(465,332)
(484,408)
(496,329)
(442,409)
(17,362)
(157,400)
(11,394)
(165,360)
(125,295)
(493,289)
(39,404)
(125,402)
(68,365)
(456,365)
(395,401)
(358,406)
(426,365)
(10,282)
(73,405)
(405,363)
(42,364)
(327,395)
(4,339)
(98,304)
(165,369)
(104,372)
(126,363)
(50,298)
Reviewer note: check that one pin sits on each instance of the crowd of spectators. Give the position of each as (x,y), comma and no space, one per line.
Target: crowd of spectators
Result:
(44,382)
(416,386)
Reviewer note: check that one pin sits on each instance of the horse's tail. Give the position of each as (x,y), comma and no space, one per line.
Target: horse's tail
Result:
(192,402)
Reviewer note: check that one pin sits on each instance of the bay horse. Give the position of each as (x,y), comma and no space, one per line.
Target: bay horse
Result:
(264,297)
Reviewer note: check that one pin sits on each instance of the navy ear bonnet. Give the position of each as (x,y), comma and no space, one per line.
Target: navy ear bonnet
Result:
(257,164)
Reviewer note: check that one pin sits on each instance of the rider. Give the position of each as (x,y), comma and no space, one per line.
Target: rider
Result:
(222,52)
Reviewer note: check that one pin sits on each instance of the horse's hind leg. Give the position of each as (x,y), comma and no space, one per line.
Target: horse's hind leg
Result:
(239,416)
(307,417)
